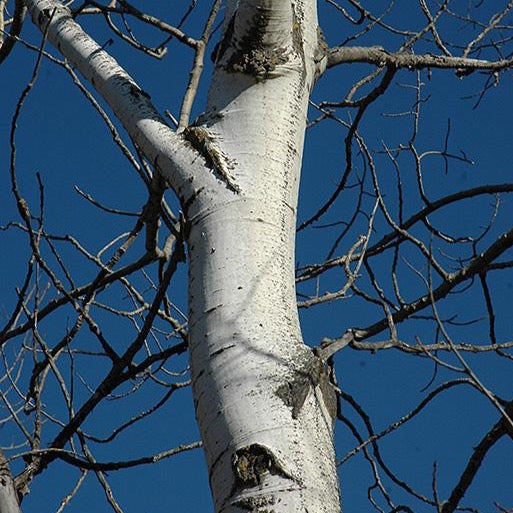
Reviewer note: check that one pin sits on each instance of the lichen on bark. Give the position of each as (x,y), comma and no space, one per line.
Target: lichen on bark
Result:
(310,376)
(250,54)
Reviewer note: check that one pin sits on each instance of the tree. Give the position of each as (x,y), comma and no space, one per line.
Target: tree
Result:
(266,402)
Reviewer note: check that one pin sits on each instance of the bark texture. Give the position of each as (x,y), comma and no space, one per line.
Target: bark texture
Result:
(8,495)
(264,406)
(265,418)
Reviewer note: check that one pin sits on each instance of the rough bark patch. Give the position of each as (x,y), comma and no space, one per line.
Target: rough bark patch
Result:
(249,54)
(312,374)
(253,462)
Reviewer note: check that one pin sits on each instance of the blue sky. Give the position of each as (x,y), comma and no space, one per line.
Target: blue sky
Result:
(62,137)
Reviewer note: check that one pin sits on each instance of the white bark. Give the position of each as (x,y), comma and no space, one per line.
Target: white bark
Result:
(130,103)
(264,407)
(246,346)
(8,495)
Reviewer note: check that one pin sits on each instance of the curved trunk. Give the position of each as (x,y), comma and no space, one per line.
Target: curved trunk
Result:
(264,406)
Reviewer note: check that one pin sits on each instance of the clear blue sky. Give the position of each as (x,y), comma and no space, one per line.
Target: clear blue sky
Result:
(62,137)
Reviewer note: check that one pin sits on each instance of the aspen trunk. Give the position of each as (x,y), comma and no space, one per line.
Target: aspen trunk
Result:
(8,495)
(263,406)
(263,403)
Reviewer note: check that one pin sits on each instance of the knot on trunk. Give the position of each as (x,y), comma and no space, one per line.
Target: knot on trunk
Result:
(253,462)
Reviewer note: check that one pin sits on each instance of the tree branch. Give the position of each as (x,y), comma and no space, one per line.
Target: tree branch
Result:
(501,428)
(17,23)
(378,56)
(131,104)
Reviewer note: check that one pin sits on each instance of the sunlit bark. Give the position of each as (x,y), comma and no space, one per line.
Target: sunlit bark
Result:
(8,494)
(264,406)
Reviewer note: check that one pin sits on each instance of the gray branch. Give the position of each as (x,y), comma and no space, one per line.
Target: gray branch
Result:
(378,56)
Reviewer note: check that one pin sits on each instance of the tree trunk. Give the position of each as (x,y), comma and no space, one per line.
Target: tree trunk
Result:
(264,406)
(266,425)
(8,495)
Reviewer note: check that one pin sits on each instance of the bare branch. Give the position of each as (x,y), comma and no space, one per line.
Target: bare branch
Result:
(380,57)
(7,44)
